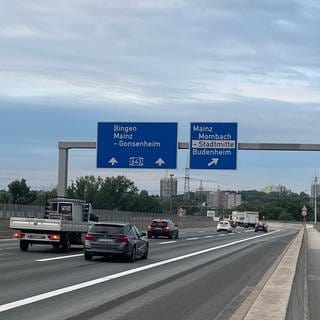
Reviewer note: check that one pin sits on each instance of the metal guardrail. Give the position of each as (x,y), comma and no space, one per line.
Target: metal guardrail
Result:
(19,210)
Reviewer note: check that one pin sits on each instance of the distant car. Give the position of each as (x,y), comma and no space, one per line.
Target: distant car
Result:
(115,239)
(261,226)
(224,226)
(163,228)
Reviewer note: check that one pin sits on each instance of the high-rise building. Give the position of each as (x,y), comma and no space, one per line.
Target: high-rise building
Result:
(223,200)
(168,187)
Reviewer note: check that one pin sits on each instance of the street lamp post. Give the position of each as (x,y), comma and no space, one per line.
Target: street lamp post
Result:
(171,175)
(315,199)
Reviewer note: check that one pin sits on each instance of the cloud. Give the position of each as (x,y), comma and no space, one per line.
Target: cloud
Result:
(68,64)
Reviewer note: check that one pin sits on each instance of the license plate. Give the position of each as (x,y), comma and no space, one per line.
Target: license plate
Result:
(36,236)
(106,240)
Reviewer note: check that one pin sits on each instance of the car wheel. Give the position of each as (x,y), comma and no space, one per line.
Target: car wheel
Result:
(177,235)
(88,256)
(24,245)
(133,255)
(146,252)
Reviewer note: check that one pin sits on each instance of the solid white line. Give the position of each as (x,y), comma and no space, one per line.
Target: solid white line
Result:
(61,257)
(54,293)
(167,242)
(208,236)
(190,239)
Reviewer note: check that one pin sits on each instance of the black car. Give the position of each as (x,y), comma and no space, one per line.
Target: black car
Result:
(163,228)
(261,226)
(115,239)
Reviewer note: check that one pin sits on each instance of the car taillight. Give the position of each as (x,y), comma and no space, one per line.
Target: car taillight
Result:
(54,236)
(123,239)
(17,234)
(150,228)
(166,228)
(89,237)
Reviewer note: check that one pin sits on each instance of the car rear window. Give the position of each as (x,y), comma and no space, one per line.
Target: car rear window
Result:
(108,229)
(159,224)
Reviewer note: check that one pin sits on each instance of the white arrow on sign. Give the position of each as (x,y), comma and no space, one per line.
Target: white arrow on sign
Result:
(160,162)
(113,161)
(214,161)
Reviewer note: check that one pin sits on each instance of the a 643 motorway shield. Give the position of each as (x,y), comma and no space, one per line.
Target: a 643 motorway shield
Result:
(213,145)
(151,145)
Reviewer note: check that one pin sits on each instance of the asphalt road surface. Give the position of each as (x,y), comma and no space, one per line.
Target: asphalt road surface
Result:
(202,275)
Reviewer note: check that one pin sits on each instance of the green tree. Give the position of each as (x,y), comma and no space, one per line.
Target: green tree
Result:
(4,197)
(20,192)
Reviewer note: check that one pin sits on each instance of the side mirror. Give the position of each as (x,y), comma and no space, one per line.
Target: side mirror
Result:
(143,234)
(176,225)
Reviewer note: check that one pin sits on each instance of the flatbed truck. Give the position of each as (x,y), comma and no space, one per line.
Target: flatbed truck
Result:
(65,222)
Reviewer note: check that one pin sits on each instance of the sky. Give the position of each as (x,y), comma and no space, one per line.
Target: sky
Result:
(67,65)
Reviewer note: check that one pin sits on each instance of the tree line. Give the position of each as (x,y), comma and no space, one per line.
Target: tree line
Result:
(120,193)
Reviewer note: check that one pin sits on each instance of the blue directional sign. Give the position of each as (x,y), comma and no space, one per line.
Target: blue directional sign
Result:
(213,145)
(151,145)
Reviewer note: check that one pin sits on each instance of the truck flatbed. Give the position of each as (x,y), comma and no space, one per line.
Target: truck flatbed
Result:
(32,224)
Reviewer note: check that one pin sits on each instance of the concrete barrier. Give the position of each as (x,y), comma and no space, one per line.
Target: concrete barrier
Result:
(273,300)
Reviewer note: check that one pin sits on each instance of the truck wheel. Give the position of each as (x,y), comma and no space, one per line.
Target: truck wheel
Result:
(66,246)
(24,244)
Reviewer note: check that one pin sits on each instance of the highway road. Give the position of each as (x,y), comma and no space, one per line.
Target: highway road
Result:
(201,275)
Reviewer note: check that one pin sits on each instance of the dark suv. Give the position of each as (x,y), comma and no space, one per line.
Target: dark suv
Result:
(261,226)
(115,239)
(163,228)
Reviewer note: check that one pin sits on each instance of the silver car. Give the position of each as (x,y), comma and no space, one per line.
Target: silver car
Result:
(115,239)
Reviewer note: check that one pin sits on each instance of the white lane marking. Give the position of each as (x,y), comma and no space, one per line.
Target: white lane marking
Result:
(167,242)
(61,257)
(8,240)
(208,236)
(222,235)
(54,293)
(190,239)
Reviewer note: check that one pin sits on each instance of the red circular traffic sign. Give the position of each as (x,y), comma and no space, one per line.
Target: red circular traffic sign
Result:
(304,211)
